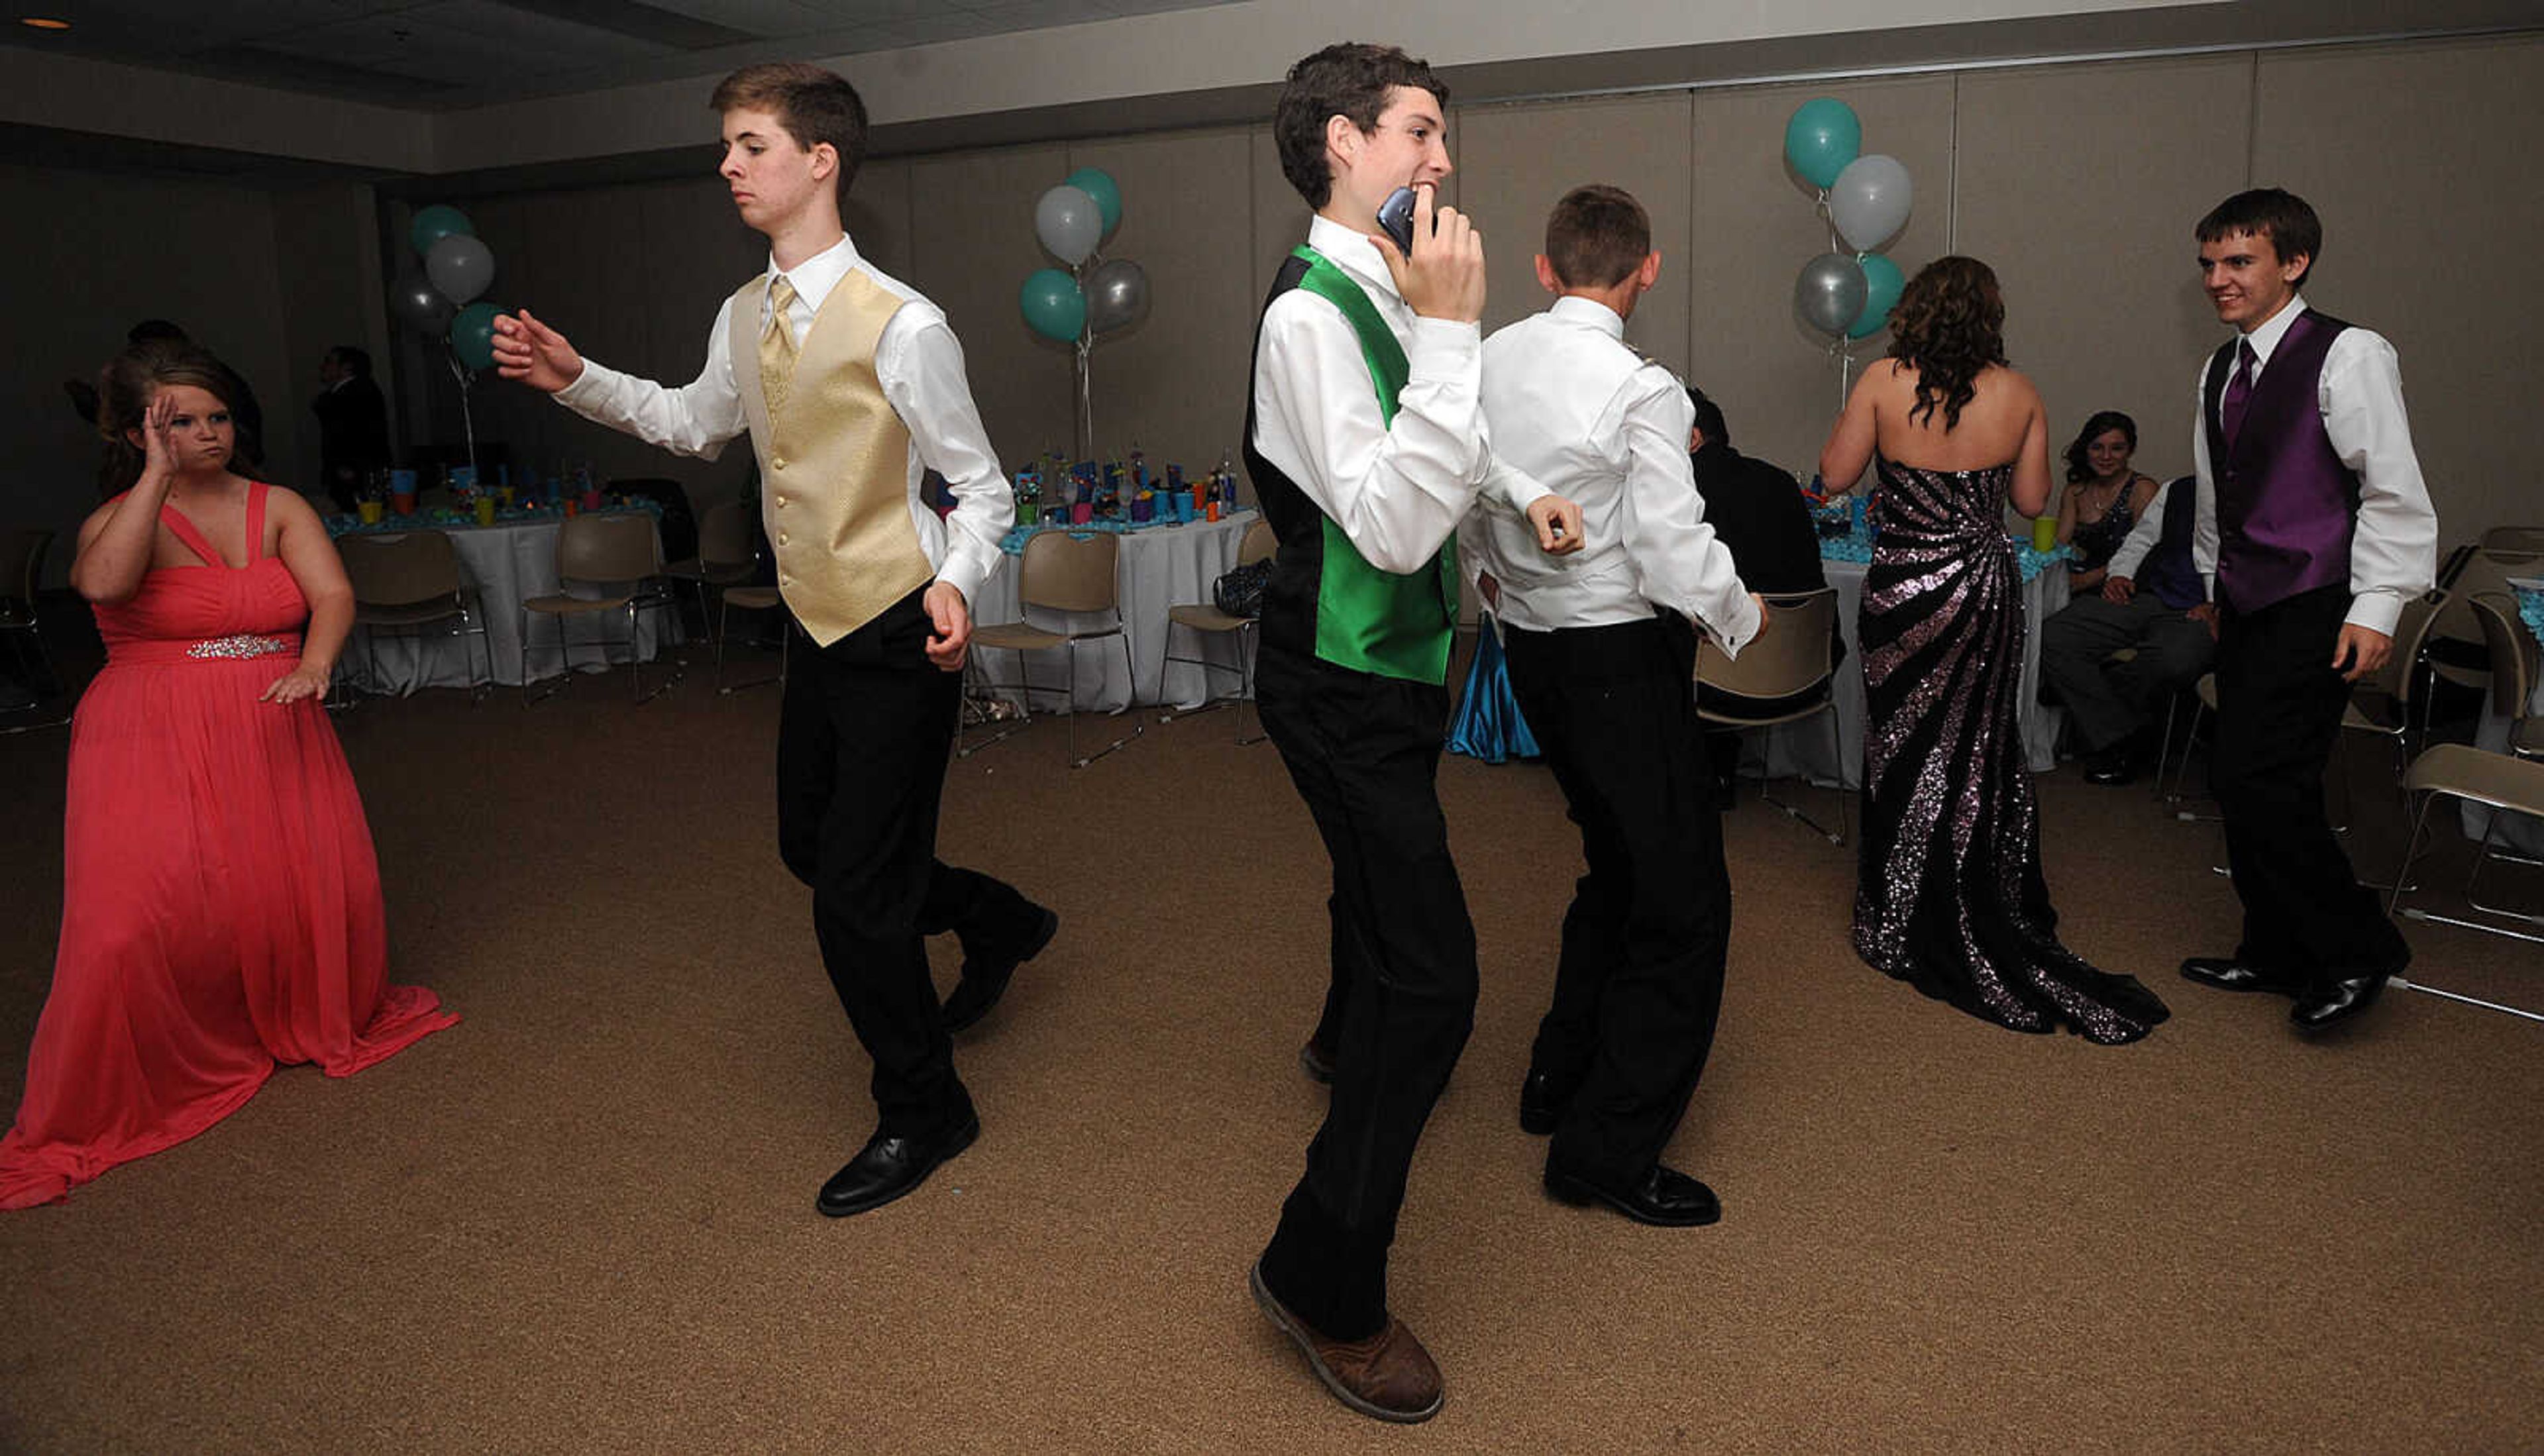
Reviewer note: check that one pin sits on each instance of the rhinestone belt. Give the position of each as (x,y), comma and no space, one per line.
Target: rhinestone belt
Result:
(241,644)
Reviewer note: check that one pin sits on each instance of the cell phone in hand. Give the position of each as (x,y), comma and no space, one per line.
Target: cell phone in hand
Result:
(1395,215)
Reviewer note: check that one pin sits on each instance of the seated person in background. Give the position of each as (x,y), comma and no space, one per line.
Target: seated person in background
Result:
(1757,511)
(2104,498)
(2154,602)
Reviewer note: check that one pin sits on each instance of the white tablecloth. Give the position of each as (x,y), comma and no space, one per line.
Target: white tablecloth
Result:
(1802,748)
(504,564)
(1159,567)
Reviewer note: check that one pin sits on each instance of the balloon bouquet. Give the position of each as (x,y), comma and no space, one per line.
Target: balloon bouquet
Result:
(1847,294)
(1096,296)
(441,302)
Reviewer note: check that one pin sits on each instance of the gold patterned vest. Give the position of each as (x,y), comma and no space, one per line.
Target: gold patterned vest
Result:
(833,461)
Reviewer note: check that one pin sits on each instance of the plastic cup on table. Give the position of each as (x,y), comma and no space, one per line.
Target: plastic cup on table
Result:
(1081,512)
(402,501)
(1214,510)
(571,503)
(2044,533)
(591,500)
(370,511)
(485,509)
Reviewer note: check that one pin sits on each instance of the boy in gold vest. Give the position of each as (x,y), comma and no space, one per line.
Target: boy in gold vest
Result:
(851,387)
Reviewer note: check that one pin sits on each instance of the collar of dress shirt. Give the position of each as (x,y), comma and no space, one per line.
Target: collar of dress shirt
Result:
(1352,250)
(1589,313)
(815,277)
(2266,339)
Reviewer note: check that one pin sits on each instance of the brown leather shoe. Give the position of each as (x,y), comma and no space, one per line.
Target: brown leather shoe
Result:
(1388,1376)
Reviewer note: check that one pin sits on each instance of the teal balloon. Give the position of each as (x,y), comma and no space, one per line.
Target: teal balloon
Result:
(1098,184)
(472,334)
(1882,282)
(1821,138)
(1052,305)
(433,224)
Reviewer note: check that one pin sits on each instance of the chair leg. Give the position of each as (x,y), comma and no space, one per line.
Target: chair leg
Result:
(1128,677)
(1024,697)
(1837,752)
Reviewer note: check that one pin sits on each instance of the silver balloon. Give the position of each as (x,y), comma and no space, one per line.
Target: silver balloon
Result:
(1869,203)
(1117,296)
(461,267)
(419,307)
(1070,223)
(1830,293)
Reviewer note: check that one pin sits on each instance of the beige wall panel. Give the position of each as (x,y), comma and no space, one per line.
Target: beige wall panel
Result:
(1516,161)
(2419,161)
(1756,225)
(2078,185)
(1175,385)
(972,241)
(878,216)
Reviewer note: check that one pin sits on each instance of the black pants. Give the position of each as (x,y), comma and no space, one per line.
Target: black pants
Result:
(1362,751)
(1639,987)
(2279,705)
(862,746)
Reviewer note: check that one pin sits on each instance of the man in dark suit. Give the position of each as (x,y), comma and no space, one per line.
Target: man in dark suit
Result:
(1758,511)
(353,424)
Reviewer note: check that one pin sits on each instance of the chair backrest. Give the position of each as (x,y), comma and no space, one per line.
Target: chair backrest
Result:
(21,561)
(1258,545)
(1062,573)
(2411,634)
(680,526)
(2514,654)
(724,535)
(1790,655)
(2482,571)
(608,549)
(2513,538)
(402,568)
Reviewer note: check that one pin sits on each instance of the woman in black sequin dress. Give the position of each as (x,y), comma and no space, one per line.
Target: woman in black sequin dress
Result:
(1949,895)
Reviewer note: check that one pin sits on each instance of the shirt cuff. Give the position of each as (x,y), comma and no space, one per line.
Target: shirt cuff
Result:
(2376,610)
(1742,631)
(1444,346)
(964,575)
(584,394)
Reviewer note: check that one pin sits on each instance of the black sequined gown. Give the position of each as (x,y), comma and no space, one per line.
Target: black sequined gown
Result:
(1949,895)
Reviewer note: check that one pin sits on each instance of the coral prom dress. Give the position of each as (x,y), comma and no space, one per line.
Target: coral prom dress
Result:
(221,903)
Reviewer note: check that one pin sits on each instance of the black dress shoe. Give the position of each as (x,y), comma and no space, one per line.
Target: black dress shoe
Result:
(1541,1104)
(887,1168)
(2111,766)
(1317,1061)
(1662,1195)
(2345,999)
(2226,974)
(985,977)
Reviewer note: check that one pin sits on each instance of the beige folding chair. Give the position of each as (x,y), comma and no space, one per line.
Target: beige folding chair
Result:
(618,555)
(748,599)
(409,580)
(1258,545)
(725,556)
(1060,573)
(2382,704)
(2486,568)
(2511,782)
(2513,538)
(1790,657)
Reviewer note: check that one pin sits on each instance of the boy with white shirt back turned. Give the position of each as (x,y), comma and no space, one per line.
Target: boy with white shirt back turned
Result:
(1366,447)
(851,387)
(1602,654)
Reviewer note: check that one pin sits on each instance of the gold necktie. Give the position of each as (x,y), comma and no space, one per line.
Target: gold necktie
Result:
(777,344)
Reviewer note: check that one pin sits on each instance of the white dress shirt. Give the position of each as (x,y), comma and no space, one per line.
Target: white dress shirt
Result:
(1395,490)
(1576,410)
(920,367)
(2394,547)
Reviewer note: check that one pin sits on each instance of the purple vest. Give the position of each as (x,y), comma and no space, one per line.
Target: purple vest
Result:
(2285,502)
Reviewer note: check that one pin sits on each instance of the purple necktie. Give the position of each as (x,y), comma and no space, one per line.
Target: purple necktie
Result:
(2239,391)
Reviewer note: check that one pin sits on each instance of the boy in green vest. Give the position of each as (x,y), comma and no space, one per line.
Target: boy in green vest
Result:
(1366,447)
(850,386)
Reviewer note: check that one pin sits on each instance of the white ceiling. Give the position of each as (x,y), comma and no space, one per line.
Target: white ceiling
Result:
(448,54)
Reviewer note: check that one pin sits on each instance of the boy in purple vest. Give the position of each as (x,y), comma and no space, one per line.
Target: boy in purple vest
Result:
(2315,527)
(850,386)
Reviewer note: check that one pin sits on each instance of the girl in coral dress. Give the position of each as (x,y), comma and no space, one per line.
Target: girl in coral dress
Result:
(220,902)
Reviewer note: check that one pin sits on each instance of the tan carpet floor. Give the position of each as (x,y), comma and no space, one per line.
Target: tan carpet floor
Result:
(581,1220)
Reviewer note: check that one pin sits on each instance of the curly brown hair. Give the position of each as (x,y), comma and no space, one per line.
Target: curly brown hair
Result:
(1352,79)
(124,388)
(1948,326)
